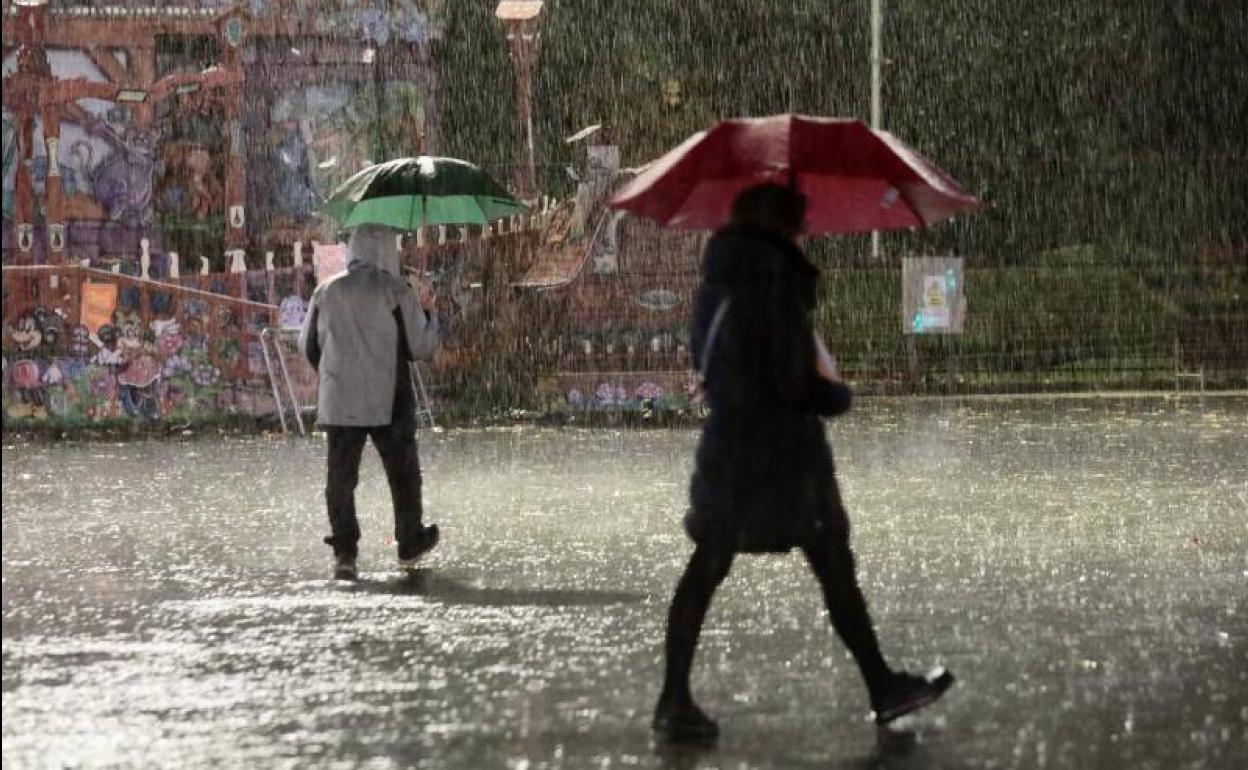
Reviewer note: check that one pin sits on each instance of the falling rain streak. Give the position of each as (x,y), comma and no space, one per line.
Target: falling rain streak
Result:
(1049,495)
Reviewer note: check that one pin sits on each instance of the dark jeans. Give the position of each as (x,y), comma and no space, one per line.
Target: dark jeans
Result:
(396,443)
(833,565)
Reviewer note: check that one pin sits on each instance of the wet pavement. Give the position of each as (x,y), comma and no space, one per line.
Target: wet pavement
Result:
(1081,564)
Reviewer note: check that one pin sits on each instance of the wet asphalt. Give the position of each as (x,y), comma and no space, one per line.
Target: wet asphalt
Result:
(1080,564)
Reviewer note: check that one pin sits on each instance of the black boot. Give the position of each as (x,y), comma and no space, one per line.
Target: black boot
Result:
(904,693)
(411,553)
(344,567)
(683,724)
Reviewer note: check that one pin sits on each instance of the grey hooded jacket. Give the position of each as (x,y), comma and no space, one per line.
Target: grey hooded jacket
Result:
(353,330)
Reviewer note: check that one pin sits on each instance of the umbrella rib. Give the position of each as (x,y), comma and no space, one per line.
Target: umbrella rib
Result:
(788,137)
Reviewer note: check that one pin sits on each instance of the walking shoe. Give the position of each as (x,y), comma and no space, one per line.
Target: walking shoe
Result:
(344,568)
(409,557)
(908,692)
(687,725)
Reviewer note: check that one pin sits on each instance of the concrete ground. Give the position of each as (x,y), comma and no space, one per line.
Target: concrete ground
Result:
(1081,565)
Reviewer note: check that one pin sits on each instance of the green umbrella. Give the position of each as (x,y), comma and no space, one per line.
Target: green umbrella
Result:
(407,193)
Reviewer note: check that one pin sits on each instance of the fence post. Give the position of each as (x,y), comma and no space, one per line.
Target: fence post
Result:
(145,304)
(296,252)
(270,279)
(237,279)
(75,276)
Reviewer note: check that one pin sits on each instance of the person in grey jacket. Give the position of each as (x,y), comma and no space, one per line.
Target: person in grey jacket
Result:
(362,328)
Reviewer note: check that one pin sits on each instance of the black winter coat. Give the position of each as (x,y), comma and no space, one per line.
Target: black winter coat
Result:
(764,479)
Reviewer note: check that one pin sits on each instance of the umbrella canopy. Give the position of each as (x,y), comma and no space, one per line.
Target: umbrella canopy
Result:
(408,193)
(856,179)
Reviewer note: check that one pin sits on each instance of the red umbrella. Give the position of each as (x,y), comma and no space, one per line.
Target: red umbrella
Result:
(856,179)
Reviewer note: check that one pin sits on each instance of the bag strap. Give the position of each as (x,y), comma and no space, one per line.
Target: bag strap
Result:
(711,333)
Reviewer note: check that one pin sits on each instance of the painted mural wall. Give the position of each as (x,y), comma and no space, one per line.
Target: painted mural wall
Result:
(354,84)
(86,156)
(84,353)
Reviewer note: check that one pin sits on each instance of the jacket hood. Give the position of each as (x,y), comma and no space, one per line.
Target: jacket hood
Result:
(738,254)
(374,245)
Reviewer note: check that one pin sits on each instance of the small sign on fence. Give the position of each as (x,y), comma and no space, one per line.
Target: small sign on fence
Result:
(99,300)
(933,299)
(290,312)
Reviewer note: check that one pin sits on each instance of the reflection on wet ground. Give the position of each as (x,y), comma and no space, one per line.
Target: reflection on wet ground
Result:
(1080,564)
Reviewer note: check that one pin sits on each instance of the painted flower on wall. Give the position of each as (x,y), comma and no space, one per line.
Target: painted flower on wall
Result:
(648,391)
(175,366)
(101,383)
(231,352)
(196,309)
(205,375)
(610,395)
(171,396)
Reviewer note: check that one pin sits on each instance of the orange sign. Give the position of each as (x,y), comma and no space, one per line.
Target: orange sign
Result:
(99,300)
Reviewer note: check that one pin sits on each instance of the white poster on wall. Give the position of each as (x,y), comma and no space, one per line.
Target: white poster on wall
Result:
(934,304)
(933,298)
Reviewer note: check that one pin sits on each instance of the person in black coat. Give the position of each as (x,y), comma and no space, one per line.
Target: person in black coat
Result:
(764,480)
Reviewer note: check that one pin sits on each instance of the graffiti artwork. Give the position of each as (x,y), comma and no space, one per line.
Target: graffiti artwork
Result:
(122,182)
(122,369)
(10,163)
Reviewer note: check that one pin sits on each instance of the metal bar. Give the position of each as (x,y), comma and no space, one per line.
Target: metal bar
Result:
(425,407)
(290,389)
(877,109)
(265,337)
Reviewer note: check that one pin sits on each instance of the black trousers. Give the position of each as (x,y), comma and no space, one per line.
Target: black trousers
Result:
(832,561)
(396,443)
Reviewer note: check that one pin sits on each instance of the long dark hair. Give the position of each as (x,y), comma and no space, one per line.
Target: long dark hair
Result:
(770,207)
